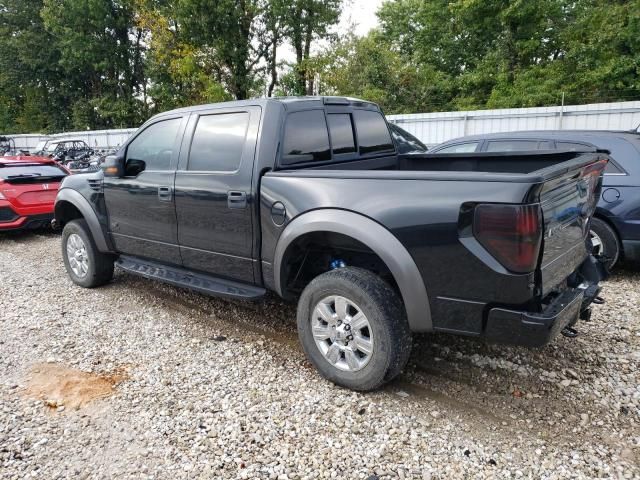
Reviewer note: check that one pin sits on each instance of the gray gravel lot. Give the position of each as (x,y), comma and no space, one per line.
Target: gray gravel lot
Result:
(185,386)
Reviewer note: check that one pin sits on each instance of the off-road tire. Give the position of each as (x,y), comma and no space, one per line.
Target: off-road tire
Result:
(384,310)
(100,265)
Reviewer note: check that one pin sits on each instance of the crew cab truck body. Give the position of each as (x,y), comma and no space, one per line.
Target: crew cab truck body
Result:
(309,198)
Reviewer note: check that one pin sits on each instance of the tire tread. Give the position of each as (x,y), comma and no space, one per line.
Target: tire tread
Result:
(393,313)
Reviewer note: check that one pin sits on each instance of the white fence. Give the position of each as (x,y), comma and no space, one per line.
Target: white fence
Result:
(437,127)
(97,139)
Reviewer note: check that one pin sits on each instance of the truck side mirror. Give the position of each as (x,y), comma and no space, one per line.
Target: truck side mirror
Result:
(113,166)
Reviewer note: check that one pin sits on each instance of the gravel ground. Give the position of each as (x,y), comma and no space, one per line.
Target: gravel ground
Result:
(142,380)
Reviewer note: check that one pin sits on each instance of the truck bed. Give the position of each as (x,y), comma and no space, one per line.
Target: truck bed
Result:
(480,166)
(425,200)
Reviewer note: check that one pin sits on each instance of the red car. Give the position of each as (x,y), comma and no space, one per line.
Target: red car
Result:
(28,188)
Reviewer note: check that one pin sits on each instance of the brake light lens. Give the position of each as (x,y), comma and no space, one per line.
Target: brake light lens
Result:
(512,234)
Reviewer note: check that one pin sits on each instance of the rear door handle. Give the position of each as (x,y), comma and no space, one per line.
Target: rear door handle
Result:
(236,199)
(165,194)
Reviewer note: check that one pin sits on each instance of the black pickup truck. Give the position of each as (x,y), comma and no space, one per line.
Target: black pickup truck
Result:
(309,197)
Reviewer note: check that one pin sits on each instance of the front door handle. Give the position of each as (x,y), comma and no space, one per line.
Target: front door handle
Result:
(236,199)
(165,194)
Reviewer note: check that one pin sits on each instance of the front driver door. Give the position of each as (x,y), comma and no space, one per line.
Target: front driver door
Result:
(141,206)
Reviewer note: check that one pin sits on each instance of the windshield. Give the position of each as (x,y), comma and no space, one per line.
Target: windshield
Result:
(51,147)
(40,145)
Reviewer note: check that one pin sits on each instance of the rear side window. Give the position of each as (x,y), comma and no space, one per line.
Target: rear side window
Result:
(373,134)
(612,168)
(218,142)
(459,148)
(512,145)
(341,131)
(306,138)
(573,146)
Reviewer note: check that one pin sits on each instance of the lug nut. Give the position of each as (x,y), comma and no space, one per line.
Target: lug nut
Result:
(347,327)
(350,337)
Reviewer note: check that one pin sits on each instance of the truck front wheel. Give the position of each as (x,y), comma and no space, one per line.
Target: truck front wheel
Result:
(353,328)
(85,264)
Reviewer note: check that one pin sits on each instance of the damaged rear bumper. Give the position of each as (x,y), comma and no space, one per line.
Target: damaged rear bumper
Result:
(535,329)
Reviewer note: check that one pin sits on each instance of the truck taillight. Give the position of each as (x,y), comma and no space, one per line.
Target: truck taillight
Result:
(512,234)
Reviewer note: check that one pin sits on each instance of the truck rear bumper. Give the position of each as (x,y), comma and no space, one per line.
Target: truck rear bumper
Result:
(535,329)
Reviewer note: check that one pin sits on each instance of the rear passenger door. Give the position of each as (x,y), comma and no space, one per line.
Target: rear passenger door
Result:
(214,201)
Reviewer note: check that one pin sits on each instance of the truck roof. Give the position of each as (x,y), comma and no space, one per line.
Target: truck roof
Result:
(293,103)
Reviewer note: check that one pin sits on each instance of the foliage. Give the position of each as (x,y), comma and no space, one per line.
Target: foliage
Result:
(85,64)
(520,53)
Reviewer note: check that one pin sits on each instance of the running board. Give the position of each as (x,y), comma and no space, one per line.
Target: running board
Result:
(180,277)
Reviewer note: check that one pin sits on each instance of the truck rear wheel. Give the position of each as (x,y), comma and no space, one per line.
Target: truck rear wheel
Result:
(85,264)
(353,328)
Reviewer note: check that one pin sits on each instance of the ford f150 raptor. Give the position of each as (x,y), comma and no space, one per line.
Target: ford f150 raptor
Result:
(309,197)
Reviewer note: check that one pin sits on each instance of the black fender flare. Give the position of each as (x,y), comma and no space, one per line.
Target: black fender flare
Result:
(377,238)
(82,204)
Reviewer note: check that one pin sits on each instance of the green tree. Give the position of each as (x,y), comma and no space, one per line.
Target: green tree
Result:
(367,67)
(226,29)
(306,21)
(601,59)
(513,53)
(178,74)
(100,56)
(31,97)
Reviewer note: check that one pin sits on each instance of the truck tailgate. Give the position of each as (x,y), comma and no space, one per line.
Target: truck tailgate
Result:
(568,202)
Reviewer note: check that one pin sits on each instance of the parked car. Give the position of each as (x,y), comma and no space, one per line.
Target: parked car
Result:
(309,197)
(615,228)
(7,145)
(63,150)
(28,190)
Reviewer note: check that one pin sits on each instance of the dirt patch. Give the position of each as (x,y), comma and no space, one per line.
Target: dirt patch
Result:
(61,387)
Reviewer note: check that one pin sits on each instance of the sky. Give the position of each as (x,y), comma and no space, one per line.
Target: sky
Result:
(362,13)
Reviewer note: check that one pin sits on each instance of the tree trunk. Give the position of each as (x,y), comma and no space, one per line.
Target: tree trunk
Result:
(307,52)
(273,65)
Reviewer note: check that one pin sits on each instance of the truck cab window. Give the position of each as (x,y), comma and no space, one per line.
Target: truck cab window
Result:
(306,138)
(153,148)
(341,131)
(218,142)
(373,133)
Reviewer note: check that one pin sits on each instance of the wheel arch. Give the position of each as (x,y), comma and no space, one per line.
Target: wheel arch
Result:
(376,238)
(71,205)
